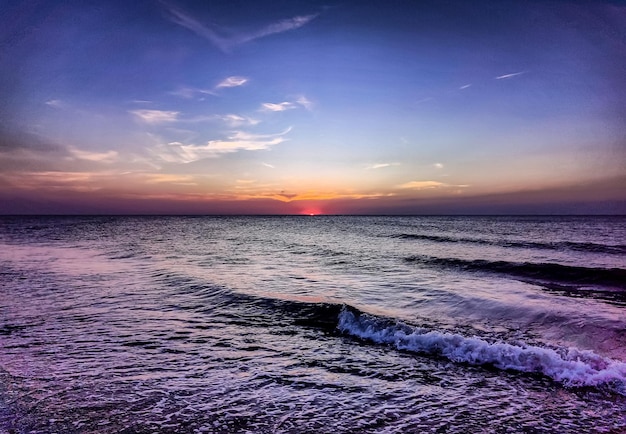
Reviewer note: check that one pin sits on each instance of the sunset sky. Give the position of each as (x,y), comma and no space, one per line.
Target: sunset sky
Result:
(298,107)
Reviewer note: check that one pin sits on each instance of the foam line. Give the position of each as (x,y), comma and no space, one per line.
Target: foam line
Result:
(571,367)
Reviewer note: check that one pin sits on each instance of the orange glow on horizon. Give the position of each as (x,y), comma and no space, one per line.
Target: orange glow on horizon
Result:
(311,211)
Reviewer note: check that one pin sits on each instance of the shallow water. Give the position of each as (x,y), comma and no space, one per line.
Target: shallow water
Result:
(313,324)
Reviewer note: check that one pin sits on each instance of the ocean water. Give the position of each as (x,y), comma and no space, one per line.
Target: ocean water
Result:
(312,324)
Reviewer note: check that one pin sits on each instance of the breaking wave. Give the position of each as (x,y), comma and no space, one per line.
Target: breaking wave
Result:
(571,367)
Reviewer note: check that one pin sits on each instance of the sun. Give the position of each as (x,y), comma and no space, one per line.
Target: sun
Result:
(311,212)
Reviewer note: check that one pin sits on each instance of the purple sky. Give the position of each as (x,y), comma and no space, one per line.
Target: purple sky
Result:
(262,107)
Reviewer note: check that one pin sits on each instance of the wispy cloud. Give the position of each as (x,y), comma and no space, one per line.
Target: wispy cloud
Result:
(240,140)
(155,116)
(428,185)
(465,86)
(421,185)
(255,191)
(236,120)
(227,39)
(56,103)
(185,20)
(167,178)
(62,180)
(189,92)
(302,101)
(177,152)
(268,165)
(233,81)
(105,157)
(438,166)
(381,165)
(277,27)
(279,107)
(515,74)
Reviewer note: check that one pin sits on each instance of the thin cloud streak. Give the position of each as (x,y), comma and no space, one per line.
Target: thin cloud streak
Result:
(56,103)
(233,81)
(305,102)
(380,166)
(421,185)
(177,16)
(302,101)
(515,74)
(225,39)
(278,27)
(191,92)
(280,107)
(177,152)
(106,157)
(155,116)
(236,120)
(165,178)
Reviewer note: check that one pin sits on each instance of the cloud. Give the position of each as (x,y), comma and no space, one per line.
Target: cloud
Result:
(20,150)
(421,185)
(327,195)
(429,185)
(280,107)
(438,166)
(302,101)
(233,81)
(246,190)
(277,27)
(465,86)
(105,157)
(173,152)
(177,152)
(236,120)
(179,17)
(165,178)
(381,165)
(61,180)
(240,140)
(155,116)
(56,103)
(268,165)
(227,39)
(190,92)
(515,74)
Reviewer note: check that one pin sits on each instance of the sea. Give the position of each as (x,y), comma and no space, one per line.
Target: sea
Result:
(312,324)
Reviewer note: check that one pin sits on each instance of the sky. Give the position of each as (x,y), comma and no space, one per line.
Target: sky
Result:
(312,107)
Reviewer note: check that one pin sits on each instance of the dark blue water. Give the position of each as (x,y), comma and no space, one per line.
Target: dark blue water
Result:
(312,324)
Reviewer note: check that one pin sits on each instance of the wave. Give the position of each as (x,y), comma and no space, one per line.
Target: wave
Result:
(618,249)
(570,367)
(604,282)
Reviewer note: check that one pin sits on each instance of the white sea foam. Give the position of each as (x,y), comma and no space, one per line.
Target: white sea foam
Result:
(571,366)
